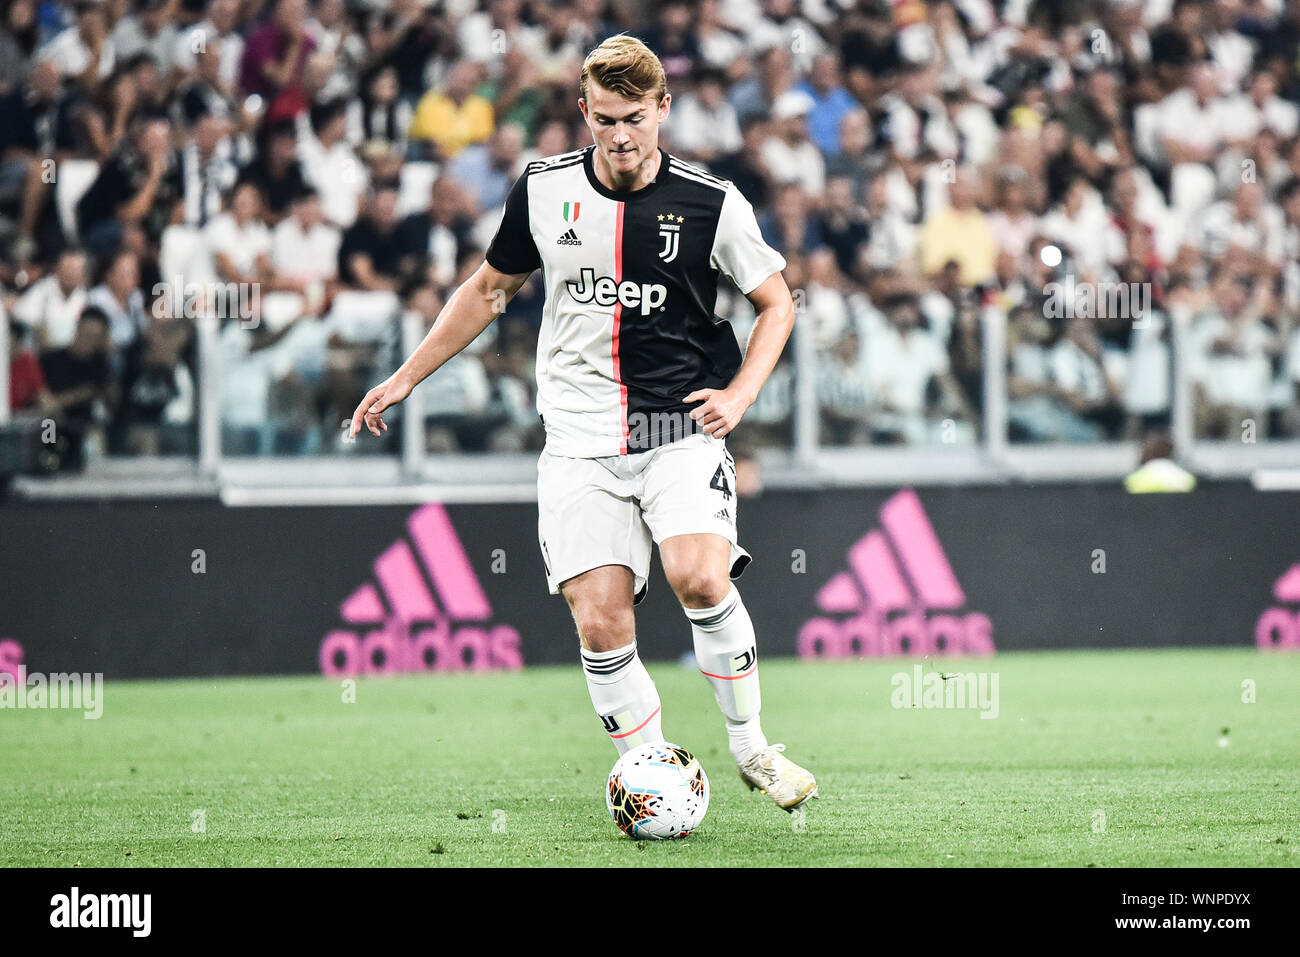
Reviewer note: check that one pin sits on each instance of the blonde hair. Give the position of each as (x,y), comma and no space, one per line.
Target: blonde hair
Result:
(626,66)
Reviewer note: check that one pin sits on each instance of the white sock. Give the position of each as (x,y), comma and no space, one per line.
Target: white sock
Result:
(624,696)
(728,657)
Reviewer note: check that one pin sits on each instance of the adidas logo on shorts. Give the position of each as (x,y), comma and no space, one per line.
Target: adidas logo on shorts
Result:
(723,514)
(569,239)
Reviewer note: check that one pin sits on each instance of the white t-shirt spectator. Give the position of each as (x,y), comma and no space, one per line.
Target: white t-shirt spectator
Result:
(337,174)
(1220,229)
(130,38)
(801,163)
(312,255)
(1075,371)
(240,244)
(124,324)
(694,127)
(1246,119)
(1239,380)
(1182,119)
(50,312)
(70,54)
(902,365)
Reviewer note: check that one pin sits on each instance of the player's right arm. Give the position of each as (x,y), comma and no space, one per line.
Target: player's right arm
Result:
(467,313)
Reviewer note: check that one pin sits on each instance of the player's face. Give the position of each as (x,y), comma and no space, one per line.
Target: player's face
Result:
(626,132)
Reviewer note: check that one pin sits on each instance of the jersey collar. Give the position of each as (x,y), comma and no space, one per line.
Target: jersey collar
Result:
(588,161)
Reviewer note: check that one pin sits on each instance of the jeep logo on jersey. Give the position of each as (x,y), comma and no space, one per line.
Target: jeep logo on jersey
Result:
(606,291)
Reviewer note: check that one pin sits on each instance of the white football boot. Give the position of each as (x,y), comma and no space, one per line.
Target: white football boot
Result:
(775,775)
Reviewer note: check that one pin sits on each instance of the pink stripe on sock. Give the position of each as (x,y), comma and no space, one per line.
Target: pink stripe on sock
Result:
(641,725)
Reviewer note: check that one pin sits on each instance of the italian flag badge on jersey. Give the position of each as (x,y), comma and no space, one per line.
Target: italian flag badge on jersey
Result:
(571,212)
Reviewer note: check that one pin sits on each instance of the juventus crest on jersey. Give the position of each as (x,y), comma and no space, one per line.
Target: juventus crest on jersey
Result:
(628,329)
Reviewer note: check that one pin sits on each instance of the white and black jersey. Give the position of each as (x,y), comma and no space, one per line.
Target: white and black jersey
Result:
(628,328)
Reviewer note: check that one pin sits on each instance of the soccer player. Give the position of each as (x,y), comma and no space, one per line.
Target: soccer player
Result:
(637,386)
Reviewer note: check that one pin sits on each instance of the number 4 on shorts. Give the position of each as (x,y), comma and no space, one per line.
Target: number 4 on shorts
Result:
(719,482)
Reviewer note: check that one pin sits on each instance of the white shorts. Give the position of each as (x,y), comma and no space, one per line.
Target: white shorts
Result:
(607,511)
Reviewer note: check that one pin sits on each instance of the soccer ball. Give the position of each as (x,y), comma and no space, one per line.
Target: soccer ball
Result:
(657,791)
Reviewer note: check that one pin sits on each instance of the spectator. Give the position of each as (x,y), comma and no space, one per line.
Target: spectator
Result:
(843,223)
(27,388)
(373,249)
(19,35)
(703,124)
(275,60)
(119,297)
(490,169)
(330,164)
(305,249)
(84,52)
(137,187)
(80,379)
(907,364)
(844,392)
(277,172)
(960,232)
(1078,370)
(219,30)
(239,240)
(831,103)
(53,306)
(150,30)
(448,120)
(1232,353)
(789,155)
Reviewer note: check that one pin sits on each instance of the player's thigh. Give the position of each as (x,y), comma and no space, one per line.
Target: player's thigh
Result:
(601,602)
(688,501)
(587,517)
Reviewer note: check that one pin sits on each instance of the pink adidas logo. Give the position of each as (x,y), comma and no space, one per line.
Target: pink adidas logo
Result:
(399,624)
(1278,627)
(11,658)
(899,593)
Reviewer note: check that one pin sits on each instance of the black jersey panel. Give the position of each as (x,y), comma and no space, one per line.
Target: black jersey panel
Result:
(669,349)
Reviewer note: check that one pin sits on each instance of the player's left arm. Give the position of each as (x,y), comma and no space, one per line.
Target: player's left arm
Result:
(722,409)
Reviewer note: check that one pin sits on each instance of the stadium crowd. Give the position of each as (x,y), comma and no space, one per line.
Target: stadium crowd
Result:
(1098,172)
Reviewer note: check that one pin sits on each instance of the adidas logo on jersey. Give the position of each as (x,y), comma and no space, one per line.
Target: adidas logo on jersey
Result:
(569,239)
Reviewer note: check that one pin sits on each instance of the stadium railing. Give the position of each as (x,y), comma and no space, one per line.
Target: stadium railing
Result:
(413,474)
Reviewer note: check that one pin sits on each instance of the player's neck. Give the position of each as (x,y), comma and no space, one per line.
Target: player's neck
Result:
(639,178)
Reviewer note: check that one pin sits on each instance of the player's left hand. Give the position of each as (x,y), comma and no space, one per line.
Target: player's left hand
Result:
(721,412)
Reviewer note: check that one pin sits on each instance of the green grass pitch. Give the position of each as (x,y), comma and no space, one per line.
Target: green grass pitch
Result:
(1102,758)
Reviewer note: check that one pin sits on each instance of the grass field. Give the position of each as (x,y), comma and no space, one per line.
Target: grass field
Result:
(1105,759)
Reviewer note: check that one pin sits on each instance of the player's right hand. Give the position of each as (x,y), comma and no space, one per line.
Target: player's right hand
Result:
(370,411)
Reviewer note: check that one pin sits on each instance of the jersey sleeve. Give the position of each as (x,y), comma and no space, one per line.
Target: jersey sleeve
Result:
(512,250)
(739,249)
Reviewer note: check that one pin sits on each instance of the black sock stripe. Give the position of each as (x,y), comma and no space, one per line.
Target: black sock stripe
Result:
(599,667)
(717,619)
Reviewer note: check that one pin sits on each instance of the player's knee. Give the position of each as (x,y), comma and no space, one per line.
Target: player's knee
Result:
(702,589)
(604,629)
